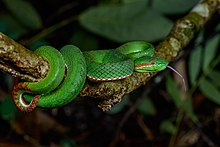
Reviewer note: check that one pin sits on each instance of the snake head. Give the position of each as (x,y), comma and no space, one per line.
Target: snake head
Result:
(150,64)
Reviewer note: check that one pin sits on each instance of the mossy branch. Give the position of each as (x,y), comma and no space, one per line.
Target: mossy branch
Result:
(22,63)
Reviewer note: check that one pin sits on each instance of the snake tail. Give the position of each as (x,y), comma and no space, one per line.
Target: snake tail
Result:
(72,84)
(50,82)
(20,101)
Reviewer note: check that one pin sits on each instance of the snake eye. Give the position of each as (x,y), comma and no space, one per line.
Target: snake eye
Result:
(153,62)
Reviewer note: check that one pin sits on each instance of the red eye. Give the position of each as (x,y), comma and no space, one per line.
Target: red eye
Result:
(153,62)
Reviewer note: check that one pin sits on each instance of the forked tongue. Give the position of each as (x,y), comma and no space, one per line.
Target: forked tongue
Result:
(171,68)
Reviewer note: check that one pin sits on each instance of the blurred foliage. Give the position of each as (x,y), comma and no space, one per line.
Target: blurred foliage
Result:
(168,127)
(24,12)
(95,24)
(126,22)
(7,109)
(205,74)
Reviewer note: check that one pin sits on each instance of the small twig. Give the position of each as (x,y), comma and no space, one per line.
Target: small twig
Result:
(197,128)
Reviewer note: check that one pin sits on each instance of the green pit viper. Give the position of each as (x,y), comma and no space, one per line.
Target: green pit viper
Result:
(69,68)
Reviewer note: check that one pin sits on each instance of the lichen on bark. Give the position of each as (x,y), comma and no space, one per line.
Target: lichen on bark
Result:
(20,62)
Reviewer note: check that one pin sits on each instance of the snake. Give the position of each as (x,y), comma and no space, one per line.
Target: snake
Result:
(70,67)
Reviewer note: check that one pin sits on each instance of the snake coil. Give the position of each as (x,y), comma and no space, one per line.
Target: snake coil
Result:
(67,90)
(58,89)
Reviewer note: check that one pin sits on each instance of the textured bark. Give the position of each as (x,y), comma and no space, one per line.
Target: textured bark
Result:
(22,63)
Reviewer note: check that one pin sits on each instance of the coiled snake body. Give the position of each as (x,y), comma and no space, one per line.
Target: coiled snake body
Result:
(60,87)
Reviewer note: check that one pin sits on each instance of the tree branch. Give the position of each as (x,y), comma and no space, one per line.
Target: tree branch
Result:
(179,37)
(20,62)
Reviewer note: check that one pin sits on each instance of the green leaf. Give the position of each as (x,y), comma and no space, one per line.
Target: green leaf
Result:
(121,23)
(186,104)
(132,1)
(210,91)
(210,50)
(173,90)
(147,107)
(24,12)
(217,27)
(11,27)
(215,77)
(173,6)
(168,127)
(84,40)
(68,142)
(7,109)
(38,43)
(200,38)
(195,64)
